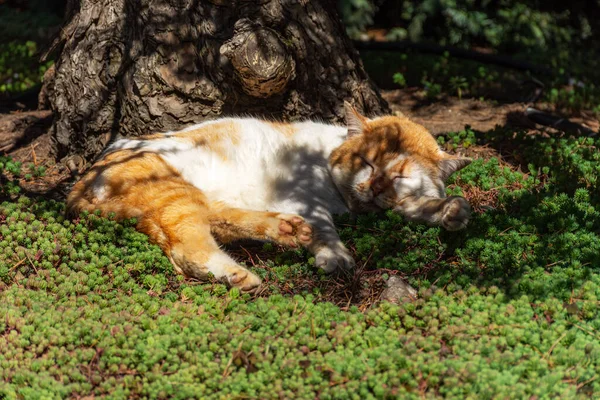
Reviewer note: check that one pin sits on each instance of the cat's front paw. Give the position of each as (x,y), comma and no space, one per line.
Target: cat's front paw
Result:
(456,213)
(294,231)
(329,258)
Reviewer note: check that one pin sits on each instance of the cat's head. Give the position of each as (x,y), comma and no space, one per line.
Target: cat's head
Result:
(388,160)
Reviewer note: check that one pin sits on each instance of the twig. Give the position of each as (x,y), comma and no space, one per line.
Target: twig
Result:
(249,256)
(553,346)
(586,330)
(582,384)
(226,372)
(16,265)
(33,154)
(31,262)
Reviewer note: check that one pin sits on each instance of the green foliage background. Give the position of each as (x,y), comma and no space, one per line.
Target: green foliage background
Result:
(19,68)
(505,25)
(24,28)
(562,36)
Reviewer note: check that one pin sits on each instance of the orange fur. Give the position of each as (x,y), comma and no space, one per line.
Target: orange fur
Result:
(186,224)
(395,147)
(142,185)
(384,139)
(176,215)
(287,129)
(212,136)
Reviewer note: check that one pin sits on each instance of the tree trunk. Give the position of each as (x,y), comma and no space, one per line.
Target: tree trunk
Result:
(133,67)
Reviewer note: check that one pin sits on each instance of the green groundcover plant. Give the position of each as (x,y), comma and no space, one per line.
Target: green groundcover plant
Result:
(507,308)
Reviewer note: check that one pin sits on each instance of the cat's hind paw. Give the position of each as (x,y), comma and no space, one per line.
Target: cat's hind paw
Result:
(456,213)
(294,231)
(242,279)
(330,258)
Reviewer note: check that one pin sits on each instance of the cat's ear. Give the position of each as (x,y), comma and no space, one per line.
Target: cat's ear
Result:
(451,164)
(356,123)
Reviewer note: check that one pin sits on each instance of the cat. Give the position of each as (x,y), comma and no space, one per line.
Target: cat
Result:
(244,178)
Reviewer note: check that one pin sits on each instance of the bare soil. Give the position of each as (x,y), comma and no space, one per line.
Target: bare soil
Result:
(450,114)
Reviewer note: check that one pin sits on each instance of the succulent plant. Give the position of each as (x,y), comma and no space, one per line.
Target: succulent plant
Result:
(507,308)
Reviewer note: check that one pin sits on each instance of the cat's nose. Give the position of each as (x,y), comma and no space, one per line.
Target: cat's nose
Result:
(377,186)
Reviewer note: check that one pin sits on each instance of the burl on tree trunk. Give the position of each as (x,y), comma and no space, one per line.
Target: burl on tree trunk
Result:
(133,67)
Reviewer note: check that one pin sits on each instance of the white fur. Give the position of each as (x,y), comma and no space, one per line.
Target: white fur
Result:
(363,176)
(395,161)
(220,264)
(417,183)
(99,188)
(267,170)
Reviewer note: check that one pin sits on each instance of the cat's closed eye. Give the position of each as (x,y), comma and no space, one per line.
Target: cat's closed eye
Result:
(366,162)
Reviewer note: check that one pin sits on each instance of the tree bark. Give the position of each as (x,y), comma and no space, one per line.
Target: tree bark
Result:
(132,67)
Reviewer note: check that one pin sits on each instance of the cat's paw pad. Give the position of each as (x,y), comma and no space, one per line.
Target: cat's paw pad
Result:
(243,279)
(456,213)
(294,231)
(331,258)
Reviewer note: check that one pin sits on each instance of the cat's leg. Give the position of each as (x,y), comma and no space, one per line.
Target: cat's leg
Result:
(452,213)
(177,220)
(175,216)
(173,213)
(229,224)
(195,253)
(330,253)
(317,232)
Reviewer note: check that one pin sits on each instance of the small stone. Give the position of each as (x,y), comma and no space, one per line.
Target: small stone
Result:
(398,290)
(572,308)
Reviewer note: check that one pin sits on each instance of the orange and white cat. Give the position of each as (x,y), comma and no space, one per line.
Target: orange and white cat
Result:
(238,178)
